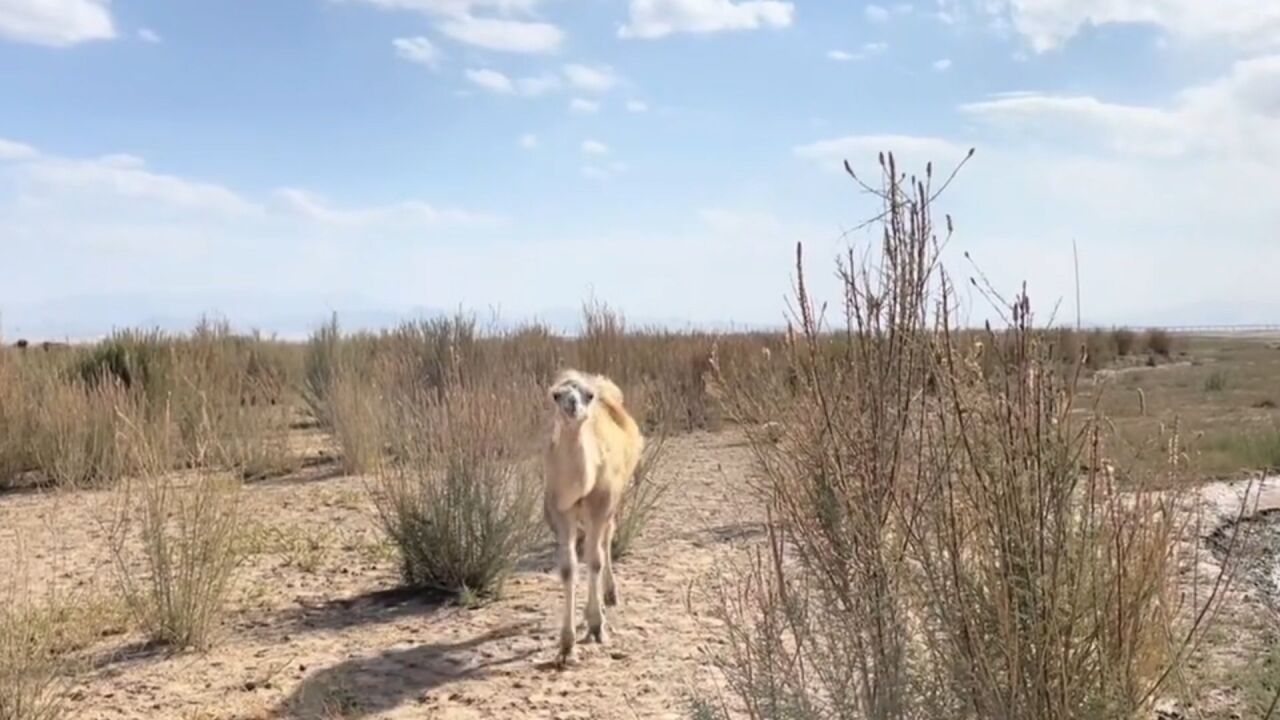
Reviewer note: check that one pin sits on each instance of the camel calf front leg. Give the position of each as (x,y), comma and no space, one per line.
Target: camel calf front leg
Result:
(568,566)
(595,552)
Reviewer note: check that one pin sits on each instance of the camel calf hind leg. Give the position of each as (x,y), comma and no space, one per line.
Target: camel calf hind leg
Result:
(610,585)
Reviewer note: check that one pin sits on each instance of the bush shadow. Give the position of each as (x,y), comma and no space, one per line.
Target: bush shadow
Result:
(366,686)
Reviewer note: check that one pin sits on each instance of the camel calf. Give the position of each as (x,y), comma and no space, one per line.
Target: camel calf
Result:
(595,446)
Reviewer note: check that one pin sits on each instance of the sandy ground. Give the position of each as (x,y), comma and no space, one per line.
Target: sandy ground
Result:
(317,629)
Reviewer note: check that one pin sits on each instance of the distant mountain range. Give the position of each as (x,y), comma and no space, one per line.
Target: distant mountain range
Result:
(294,317)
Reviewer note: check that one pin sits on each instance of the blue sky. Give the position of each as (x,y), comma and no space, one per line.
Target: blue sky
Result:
(273,161)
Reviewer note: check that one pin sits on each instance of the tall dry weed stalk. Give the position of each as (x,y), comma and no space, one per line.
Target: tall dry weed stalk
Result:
(945,539)
(181,530)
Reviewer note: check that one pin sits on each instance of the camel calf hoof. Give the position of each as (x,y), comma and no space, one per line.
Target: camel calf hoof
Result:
(597,634)
(566,647)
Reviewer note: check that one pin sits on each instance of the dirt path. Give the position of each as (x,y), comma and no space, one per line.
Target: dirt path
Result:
(317,629)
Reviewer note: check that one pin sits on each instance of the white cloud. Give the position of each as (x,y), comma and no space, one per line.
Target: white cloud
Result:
(637,106)
(148,35)
(584,107)
(537,85)
(868,50)
(417,50)
(126,177)
(132,238)
(729,223)
(491,80)
(109,180)
(861,151)
(496,82)
(1160,239)
(942,65)
(10,150)
(1048,24)
(591,79)
(454,7)
(658,18)
(116,180)
(603,172)
(1124,128)
(880,14)
(594,147)
(529,141)
(1171,204)
(517,36)
(56,23)
(408,214)
(1237,115)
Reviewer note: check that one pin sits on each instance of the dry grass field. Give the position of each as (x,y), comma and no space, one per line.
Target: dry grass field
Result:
(900,520)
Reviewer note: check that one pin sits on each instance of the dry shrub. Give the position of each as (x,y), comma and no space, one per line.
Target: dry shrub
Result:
(187,525)
(665,375)
(1100,350)
(1091,349)
(943,538)
(1068,347)
(531,351)
(1215,381)
(1159,342)
(673,369)
(42,636)
(226,404)
(368,377)
(436,353)
(460,500)
(358,415)
(1125,341)
(644,496)
(135,359)
(601,346)
(59,428)
(1257,449)
(32,682)
(320,368)
(17,449)
(74,430)
(59,413)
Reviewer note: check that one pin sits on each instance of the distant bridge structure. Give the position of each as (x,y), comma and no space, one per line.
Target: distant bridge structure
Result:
(1214,329)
